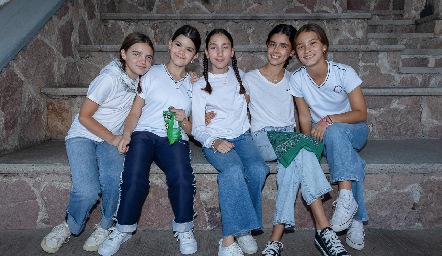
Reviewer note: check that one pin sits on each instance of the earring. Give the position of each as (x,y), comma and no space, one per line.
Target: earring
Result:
(324,52)
(191,62)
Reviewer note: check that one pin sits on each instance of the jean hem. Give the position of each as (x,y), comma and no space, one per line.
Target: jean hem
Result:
(182,227)
(334,181)
(318,195)
(126,228)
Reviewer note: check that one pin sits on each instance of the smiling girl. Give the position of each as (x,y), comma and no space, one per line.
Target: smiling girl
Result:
(92,140)
(332,109)
(145,141)
(228,146)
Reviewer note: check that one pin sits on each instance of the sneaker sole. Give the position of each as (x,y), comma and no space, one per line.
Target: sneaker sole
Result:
(187,252)
(47,248)
(345,225)
(324,253)
(89,248)
(354,245)
(117,249)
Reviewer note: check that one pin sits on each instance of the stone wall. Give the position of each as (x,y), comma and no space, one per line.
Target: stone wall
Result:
(48,60)
(393,201)
(51,59)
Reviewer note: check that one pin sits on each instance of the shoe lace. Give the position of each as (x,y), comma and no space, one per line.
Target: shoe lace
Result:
(340,206)
(272,249)
(184,236)
(234,248)
(247,240)
(98,232)
(115,234)
(62,233)
(333,243)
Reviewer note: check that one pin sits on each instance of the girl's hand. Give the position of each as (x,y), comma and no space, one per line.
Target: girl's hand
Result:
(115,140)
(209,116)
(123,145)
(180,115)
(193,76)
(319,130)
(223,146)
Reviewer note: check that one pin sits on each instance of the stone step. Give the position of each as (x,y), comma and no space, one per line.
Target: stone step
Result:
(420,70)
(409,40)
(391,26)
(234,16)
(247,29)
(401,186)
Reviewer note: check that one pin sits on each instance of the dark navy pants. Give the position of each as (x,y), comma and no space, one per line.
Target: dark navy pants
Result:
(145,148)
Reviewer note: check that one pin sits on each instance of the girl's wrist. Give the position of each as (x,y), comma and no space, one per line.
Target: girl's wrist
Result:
(213,145)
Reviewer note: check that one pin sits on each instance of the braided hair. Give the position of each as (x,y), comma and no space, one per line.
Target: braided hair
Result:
(208,87)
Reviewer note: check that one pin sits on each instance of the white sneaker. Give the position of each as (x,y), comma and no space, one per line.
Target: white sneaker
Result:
(97,237)
(187,241)
(247,244)
(113,242)
(355,235)
(231,250)
(53,241)
(346,208)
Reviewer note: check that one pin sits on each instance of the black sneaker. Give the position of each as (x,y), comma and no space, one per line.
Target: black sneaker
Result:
(329,244)
(273,248)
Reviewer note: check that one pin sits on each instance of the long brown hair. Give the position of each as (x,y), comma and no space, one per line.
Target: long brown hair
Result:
(208,87)
(131,39)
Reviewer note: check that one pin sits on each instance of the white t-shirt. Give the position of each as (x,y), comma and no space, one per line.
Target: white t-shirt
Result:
(114,92)
(160,91)
(270,104)
(228,104)
(331,96)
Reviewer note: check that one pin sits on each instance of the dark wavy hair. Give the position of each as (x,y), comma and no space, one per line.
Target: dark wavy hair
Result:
(287,30)
(190,32)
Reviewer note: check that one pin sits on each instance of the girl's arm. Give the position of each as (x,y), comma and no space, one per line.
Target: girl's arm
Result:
(186,123)
(358,111)
(87,110)
(304,117)
(130,124)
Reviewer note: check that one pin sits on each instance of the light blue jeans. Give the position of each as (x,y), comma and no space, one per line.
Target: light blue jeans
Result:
(342,142)
(96,168)
(241,177)
(304,171)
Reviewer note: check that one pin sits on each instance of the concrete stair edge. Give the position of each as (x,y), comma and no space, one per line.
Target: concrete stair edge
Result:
(239,16)
(382,156)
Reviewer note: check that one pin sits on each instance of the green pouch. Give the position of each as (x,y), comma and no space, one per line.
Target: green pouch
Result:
(173,127)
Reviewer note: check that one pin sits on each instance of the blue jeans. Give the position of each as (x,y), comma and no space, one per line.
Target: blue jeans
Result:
(304,171)
(342,142)
(145,148)
(241,177)
(96,169)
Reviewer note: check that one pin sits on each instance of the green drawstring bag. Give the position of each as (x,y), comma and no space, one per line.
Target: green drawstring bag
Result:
(173,127)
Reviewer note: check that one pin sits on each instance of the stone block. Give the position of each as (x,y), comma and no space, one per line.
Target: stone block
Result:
(415,62)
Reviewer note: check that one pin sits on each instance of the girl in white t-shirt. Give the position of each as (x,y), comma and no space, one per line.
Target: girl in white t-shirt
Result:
(272,109)
(228,146)
(332,108)
(92,140)
(145,140)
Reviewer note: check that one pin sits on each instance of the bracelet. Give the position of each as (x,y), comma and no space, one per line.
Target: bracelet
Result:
(213,146)
(331,121)
(328,121)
